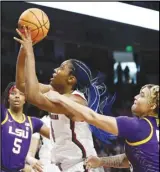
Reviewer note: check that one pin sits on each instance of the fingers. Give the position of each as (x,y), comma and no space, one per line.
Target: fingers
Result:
(40,163)
(20,34)
(18,40)
(24,33)
(38,167)
(90,162)
(88,166)
(27,32)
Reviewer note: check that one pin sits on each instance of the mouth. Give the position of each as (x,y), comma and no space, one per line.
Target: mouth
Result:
(16,102)
(53,76)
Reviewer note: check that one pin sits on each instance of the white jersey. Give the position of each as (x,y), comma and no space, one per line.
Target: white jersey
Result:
(72,140)
(45,144)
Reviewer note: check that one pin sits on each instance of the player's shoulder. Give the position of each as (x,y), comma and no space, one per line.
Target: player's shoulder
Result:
(34,119)
(140,121)
(78,97)
(145,121)
(46,119)
(78,93)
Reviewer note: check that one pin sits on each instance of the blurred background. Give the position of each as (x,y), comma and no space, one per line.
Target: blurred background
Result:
(128,56)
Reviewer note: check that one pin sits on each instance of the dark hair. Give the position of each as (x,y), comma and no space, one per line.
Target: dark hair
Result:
(94,88)
(6,94)
(96,93)
(82,73)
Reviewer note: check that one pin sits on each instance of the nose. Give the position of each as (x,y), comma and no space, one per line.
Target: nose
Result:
(17,95)
(56,69)
(136,97)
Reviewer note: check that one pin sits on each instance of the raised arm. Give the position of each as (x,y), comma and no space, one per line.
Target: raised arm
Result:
(117,161)
(32,88)
(20,78)
(20,73)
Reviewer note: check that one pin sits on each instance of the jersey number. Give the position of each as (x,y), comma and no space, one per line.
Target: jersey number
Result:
(157,133)
(17,146)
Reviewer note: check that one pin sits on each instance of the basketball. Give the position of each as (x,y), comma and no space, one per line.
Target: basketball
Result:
(37,21)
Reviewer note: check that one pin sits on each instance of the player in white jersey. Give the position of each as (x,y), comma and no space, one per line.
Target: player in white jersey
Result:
(43,146)
(73,141)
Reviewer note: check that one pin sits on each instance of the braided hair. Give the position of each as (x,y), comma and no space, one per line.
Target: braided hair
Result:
(6,94)
(96,93)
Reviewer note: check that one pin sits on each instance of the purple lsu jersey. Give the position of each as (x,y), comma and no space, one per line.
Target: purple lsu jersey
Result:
(142,142)
(16,137)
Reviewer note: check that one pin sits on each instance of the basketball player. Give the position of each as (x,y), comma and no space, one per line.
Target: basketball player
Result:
(16,130)
(141,133)
(73,140)
(43,146)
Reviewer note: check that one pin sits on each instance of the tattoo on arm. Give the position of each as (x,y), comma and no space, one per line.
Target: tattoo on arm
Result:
(117,161)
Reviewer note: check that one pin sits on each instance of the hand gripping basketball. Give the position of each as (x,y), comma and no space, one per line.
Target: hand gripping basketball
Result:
(25,40)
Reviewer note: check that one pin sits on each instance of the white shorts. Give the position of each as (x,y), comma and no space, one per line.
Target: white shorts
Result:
(51,168)
(79,167)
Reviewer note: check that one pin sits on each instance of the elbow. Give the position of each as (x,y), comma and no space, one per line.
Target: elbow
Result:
(32,98)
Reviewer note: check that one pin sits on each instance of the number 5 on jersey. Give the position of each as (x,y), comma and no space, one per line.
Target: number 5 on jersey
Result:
(17,146)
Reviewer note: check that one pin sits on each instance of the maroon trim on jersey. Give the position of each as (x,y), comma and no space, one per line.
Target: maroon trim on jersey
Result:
(79,96)
(74,139)
(55,117)
(52,131)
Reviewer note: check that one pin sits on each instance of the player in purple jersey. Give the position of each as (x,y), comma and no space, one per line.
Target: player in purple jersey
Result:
(141,133)
(16,130)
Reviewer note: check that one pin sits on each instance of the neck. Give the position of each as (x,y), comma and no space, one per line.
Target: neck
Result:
(64,90)
(152,114)
(149,114)
(17,112)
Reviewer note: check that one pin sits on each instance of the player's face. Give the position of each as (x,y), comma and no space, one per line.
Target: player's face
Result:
(61,76)
(16,99)
(142,103)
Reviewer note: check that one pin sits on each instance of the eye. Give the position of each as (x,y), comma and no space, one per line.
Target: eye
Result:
(142,94)
(22,94)
(61,67)
(13,93)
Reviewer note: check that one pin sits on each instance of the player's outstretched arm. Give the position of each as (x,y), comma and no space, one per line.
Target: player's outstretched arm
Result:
(117,161)
(20,73)
(78,111)
(32,88)
(121,126)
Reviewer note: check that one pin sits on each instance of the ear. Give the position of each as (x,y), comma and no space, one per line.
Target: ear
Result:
(72,80)
(153,106)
